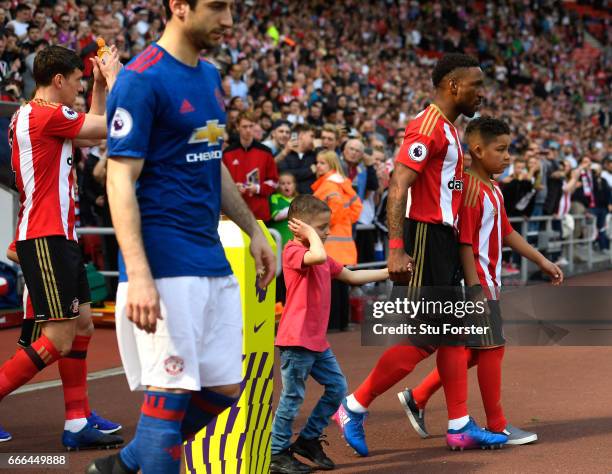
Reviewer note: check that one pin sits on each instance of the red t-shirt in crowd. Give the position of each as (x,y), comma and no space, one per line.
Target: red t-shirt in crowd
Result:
(306,312)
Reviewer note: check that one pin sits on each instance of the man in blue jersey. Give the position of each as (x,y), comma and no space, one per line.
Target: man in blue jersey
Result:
(179,320)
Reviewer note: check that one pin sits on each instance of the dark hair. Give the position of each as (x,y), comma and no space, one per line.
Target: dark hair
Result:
(233,101)
(487,127)
(448,63)
(305,206)
(22,7)
(55,60)
(279,123)
(192,4)
(302,127)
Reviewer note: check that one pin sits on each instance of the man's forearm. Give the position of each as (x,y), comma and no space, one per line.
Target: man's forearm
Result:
(98,100)
(126,221)
(234,207)
(396,210)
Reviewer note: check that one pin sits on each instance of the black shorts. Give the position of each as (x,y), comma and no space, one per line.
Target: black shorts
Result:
(491,323)
(55,276)
(435,251)
(436,276)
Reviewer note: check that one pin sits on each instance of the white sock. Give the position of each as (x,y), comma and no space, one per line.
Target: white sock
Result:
(76,425)
(458,423)
(354,405)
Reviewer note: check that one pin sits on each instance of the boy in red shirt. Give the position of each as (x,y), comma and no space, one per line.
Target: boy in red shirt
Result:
(483,231)
(304,349)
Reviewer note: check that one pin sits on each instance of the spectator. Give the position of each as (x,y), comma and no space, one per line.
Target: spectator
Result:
(315,115)
(280,202)
(66,36)
(301,161)
(279,208)
(238,88)
(252,167)
(92,191)
(603,205)
(23,15)
(564,223)
(607,171)
(519,191)
(362,174)
(295,113)
(329,138)
(336,191)
(398,139)
(279,139)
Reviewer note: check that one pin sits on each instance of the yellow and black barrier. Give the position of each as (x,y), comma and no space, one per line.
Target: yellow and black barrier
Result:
(238,440)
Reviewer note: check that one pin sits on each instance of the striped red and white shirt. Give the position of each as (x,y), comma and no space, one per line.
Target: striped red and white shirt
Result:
(432,148)
(40,135)
(565,202)
(483,224)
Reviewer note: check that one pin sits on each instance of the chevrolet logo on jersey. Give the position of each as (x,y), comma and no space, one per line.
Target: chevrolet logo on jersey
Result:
(210,133)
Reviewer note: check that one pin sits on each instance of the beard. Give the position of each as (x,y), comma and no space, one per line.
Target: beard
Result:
(202,40)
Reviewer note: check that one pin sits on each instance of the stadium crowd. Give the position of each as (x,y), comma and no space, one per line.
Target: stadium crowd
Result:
(304,77)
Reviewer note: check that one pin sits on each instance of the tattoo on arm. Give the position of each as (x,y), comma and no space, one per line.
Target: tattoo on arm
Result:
(396,210)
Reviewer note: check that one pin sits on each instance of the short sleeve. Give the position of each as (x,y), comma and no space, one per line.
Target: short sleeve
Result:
(130,113)
(334,267)
(13,246)
(416,149)
(469,221)
(64,123)
(293,256)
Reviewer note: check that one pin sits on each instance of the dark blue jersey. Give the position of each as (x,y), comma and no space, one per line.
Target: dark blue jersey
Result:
(172,116)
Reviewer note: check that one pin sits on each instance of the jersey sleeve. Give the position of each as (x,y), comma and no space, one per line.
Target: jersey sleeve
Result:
(293,257)
(416,149)
(334,267)
(64,122)
(469,221)
(130,112)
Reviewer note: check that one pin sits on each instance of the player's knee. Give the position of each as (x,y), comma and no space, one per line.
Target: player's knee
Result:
(61,334)
(84,323)
(85,328)
(62,344)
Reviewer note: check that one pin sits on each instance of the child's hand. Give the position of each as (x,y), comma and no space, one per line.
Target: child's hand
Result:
(553,271)
(301,230)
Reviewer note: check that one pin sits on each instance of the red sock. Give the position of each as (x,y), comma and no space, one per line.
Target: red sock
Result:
(393,366)
(25,364)
(432,383)
(73,371)
(489,379)
(452,365)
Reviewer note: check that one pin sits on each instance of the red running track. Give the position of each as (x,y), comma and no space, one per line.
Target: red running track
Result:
(562,393)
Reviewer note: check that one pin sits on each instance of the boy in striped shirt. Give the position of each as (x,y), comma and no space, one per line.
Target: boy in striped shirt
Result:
(483,230)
